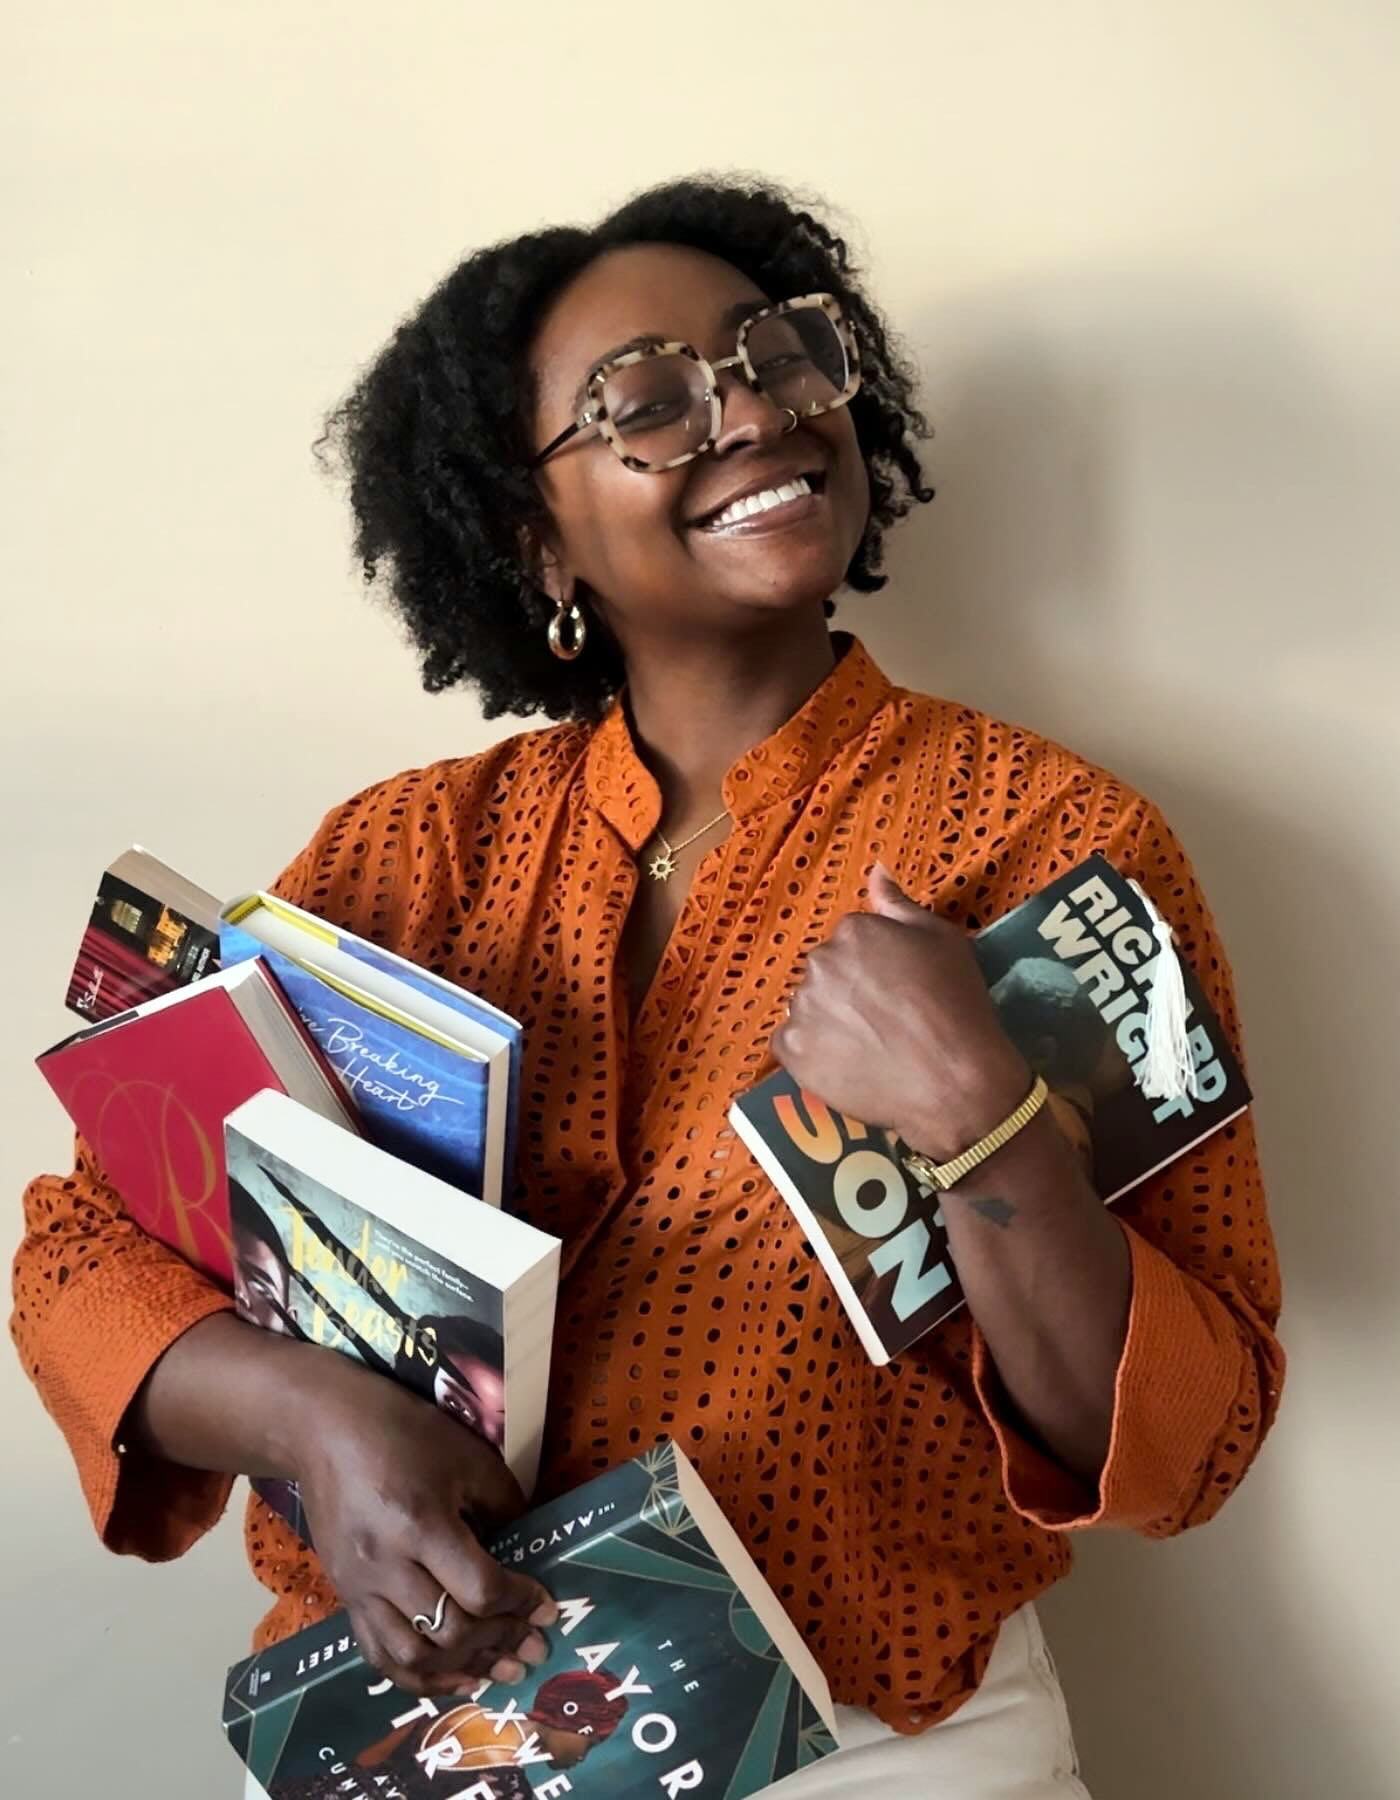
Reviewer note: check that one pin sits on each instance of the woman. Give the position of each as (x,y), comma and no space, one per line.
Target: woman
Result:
(602,457)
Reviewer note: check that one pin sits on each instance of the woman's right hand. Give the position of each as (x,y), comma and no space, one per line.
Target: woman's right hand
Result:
(389,1484)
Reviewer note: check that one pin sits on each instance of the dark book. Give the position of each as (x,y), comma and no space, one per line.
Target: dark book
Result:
(1071,972)
(338,1243)
(673,1670)
(150,932)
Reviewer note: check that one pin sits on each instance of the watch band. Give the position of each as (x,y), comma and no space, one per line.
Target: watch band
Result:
(943,1176)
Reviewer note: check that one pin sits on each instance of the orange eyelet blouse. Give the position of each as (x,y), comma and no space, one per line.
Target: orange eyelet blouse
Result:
(898,1516)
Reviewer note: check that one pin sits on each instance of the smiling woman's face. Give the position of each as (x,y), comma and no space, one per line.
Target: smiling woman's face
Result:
(647,546)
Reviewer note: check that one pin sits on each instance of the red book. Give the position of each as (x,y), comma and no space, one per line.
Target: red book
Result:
(151,1088)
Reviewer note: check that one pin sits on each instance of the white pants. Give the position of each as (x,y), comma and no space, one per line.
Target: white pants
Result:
(1009,1741)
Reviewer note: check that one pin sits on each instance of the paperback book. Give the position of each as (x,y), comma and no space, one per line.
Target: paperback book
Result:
(673,1670)
(150,931)
(341,1244)
(433,1070)
(1071,972)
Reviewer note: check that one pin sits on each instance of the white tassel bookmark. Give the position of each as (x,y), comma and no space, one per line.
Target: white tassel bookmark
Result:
(1166,1071)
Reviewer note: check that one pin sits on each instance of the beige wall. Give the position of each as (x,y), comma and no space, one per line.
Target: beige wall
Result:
(1146,256)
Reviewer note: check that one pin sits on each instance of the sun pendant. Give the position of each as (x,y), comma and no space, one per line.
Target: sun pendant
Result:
(661,867)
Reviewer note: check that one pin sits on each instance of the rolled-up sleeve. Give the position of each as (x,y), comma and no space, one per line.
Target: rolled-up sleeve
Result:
(97,1303)
(1201,1369)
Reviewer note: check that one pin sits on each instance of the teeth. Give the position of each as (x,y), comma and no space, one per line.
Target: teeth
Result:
(757,503)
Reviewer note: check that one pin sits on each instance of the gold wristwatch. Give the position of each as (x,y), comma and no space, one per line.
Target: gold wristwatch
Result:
(943,1176)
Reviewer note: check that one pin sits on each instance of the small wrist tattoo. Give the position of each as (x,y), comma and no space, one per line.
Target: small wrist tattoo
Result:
(995,1211)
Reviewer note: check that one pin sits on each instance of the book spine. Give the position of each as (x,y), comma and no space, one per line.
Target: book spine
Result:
(272,1676)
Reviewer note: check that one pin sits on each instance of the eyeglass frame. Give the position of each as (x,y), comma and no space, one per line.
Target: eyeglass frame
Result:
(594,416)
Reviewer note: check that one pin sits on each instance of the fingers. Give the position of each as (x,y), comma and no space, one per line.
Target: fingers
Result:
(448,1627)
(478,1583)
(460,1654)
(890,901)
(415,1664)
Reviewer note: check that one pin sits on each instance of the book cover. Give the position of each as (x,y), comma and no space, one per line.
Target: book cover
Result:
(336,1243)
(672,1670)
(490,1020)
(150,1089)
(149,932)
(1069,971)
(433,1070)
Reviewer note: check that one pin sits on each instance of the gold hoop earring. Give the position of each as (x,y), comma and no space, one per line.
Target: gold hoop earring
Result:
(567,649)
(793,416)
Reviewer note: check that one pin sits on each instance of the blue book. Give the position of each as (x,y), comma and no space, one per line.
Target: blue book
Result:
(434,1071)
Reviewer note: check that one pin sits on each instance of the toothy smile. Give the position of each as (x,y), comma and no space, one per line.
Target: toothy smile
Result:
(795,491)
(763,501)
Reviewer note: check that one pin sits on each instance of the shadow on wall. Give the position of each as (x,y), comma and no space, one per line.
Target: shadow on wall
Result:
(1158,538)
(1231,1663)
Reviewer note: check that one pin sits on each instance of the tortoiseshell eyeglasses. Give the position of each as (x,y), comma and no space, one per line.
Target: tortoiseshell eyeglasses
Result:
(659,406)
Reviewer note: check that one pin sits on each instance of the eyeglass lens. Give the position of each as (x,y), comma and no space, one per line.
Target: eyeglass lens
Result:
(659,406)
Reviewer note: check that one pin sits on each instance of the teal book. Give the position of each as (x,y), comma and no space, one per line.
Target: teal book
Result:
(673,1670)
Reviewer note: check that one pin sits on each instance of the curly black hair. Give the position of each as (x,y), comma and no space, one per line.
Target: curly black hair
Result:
(432,436)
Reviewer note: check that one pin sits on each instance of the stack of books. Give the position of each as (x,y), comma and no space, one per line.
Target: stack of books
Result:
(323,1128)
(329,1131)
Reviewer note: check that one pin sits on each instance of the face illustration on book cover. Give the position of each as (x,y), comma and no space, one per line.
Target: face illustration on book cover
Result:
(262,1293)
(1072,973)
(1064,1037)
(309,1264)
(464,1362)
(487,1748)
(262,1275)
(314,1265)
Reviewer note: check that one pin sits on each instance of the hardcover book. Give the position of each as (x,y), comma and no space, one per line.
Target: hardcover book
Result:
(1070,972)
(673,1670)
(150,931)
(339,1243)
(150,1090)
(433,1070)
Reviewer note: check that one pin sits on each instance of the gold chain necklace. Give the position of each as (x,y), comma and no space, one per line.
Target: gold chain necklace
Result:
(663,867)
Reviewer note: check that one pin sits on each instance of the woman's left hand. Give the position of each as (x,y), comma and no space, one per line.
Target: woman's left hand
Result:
(892,1024)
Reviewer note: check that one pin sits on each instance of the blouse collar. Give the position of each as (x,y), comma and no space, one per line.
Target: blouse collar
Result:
(624,790)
